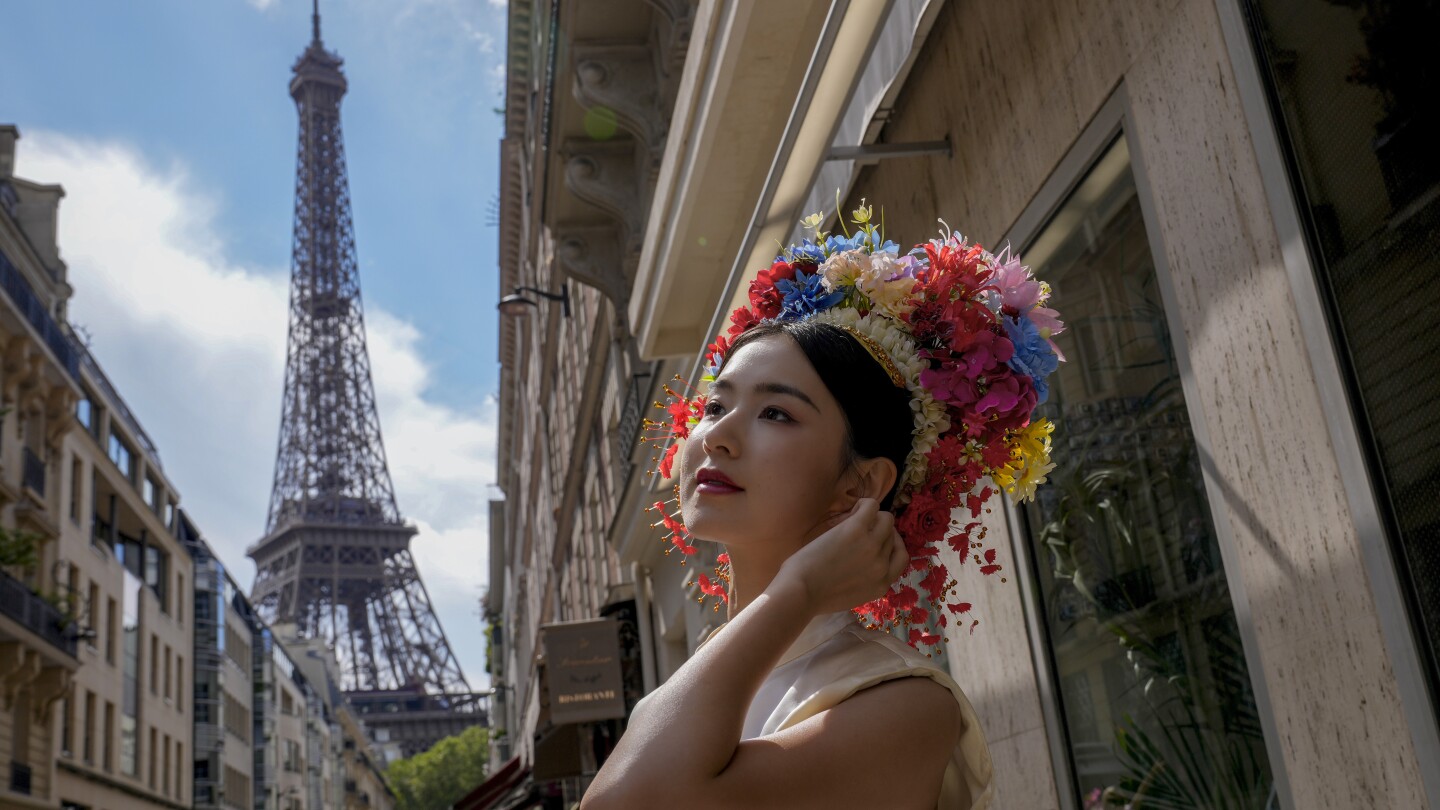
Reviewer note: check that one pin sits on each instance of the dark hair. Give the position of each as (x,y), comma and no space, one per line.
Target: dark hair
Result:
(864,390)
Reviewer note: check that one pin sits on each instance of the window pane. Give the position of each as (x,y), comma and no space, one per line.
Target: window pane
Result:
(1152,679)
(1352,88)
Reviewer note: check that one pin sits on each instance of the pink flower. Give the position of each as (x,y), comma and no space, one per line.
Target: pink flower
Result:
(1019,291)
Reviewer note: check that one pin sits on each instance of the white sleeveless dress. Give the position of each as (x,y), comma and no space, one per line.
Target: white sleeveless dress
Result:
(834,658)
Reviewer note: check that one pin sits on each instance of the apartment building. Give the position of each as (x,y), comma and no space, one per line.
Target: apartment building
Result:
(40,610)
(223,690)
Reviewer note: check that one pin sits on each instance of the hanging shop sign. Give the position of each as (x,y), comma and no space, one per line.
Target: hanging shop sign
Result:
(582,661)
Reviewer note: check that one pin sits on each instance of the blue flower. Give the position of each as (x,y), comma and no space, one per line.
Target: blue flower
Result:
(1033,355)
(806,251)
(805,296)
(837,243)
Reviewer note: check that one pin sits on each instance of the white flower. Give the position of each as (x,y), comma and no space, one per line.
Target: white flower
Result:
(843,268)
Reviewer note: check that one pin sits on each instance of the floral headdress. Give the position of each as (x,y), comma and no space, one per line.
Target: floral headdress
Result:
(969,335)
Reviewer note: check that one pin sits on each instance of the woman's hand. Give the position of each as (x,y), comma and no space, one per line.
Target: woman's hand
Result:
(852,562)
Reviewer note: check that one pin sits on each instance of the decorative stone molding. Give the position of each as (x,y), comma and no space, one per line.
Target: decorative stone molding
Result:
(20,666)
(622,78)
(21,364)
(59,404)
(674,20)
(592,255)
(603,174)
(53,684)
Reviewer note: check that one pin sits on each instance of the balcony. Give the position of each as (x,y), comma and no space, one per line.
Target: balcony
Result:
(24,299)
(33,613)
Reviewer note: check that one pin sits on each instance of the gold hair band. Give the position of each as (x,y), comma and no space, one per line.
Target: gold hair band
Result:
(877,352)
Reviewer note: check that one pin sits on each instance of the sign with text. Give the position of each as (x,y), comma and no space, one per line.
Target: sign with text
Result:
(582,663)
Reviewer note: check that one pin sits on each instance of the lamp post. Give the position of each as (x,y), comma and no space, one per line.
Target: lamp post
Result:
(517,305)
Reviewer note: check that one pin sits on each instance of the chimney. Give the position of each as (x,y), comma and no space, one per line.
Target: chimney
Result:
(9,134)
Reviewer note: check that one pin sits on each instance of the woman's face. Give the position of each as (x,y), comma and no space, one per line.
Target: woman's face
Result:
(765,463)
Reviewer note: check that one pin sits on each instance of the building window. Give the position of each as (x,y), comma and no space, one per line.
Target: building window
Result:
(67,730)
(130,686)
(105,742)
(1138,624)
(180,599)
(90,608)
(77,469)
(180,683)
(154,664)
(111,631)
(147,491)
(157,575)
(153,756)
(122,456)
(85,413)
(87,750)
(167,671)
(237,718)
(1352,99)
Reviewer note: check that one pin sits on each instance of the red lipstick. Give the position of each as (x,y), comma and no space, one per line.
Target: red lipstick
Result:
(713,482)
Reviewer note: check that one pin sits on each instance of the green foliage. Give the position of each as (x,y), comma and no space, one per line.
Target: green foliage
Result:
(435,779)
(19,550)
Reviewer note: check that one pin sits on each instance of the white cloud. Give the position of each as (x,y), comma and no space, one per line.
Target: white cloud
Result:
(196,344)
(261,4)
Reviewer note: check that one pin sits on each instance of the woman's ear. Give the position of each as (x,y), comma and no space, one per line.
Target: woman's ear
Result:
(870,478)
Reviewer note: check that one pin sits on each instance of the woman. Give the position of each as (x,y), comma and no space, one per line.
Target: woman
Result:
(815,427)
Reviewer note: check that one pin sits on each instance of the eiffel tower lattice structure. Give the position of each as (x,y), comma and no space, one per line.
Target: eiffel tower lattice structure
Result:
(335,563)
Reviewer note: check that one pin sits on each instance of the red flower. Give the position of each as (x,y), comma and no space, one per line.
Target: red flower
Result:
(960,541)
(667,463)
(712,588)
(958,607)
(934,583)
(956,270)
(741,320)
(766,300)
(991,566)
(904,598)
(923,521)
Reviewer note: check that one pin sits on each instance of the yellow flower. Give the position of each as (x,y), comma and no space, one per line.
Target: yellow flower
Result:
(813,222)
(861,215)
(1029,462)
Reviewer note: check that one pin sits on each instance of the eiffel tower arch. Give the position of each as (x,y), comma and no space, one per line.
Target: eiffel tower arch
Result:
(335,563)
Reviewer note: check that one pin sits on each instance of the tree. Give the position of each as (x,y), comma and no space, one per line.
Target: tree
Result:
(437,778)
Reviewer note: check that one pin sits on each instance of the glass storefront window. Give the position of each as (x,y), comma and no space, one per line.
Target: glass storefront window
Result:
(1352,88)
(1154,691)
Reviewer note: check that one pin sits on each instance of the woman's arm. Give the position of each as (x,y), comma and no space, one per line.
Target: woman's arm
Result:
(685,749)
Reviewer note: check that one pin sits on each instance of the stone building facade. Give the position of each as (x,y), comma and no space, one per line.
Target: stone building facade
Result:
(1215,188)
(38,387)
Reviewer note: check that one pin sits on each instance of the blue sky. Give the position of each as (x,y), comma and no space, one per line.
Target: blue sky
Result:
(170,125)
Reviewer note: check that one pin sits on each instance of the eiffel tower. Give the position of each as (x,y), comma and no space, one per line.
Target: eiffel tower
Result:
(335,564)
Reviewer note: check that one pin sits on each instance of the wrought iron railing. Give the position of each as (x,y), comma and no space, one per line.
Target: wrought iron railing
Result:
(632,414)
(23,296)
(19,778)
(32,474)
(33,613)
